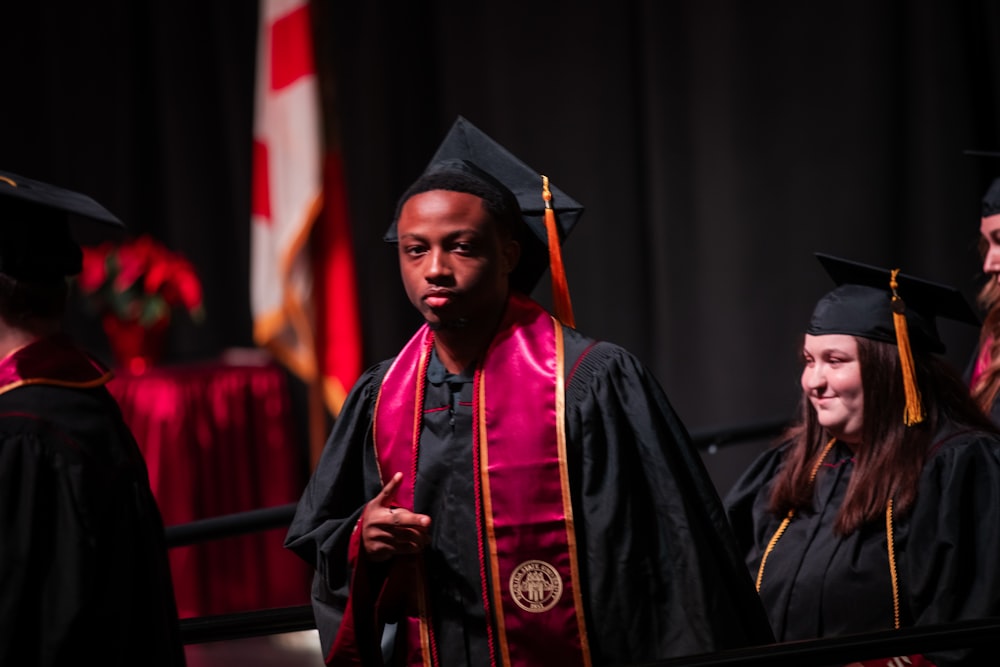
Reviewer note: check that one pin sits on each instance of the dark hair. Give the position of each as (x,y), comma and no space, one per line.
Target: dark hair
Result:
(889,464)
(22,302)
(987,386)
(462,176)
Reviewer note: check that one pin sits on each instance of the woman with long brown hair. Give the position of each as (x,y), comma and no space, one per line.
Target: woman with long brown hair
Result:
(985,377)
(880,508)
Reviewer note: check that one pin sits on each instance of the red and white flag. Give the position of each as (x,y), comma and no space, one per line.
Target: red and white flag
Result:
(296,245)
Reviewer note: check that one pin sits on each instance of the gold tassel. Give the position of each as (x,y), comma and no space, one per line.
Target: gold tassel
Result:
(913,413)
(560,288)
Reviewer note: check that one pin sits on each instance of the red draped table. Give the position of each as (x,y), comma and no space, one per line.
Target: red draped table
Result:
(219,439)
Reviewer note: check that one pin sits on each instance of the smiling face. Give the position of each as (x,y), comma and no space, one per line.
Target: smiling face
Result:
(454,259)
(989,231)
(831,379)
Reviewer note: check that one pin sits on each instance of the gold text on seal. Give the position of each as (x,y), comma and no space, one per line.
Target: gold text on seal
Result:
(535,586)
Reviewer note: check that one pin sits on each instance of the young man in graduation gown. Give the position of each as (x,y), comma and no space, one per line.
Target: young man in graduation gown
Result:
(507,491)
(84,576)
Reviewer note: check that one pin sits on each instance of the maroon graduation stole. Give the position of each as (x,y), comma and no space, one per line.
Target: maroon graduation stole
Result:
(530,576)
(52,361)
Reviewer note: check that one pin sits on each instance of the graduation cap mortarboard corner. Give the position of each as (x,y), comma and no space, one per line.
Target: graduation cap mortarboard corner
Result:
(42,226)
(861,305)
(889,306)
(991,199)
(549,215)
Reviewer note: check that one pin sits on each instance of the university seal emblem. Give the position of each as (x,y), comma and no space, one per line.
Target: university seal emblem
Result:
(535,586)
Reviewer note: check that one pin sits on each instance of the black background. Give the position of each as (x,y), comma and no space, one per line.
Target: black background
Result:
(716,145)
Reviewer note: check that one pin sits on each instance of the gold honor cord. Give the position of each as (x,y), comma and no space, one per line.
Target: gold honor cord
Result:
(893,575)
(788,519)
(892,565)
(770,546)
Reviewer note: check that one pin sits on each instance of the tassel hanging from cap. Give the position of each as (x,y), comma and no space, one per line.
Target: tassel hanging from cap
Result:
(913,413)
(560,288)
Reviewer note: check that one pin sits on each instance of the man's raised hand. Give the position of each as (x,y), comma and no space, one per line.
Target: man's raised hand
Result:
(389,530)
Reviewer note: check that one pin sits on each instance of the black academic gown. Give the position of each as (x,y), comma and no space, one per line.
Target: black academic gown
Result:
(84,576)
(660,573)
(816,584)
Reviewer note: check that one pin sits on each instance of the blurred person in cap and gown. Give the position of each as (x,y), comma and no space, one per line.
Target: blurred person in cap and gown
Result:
(984,375)
(507,490)
(84,575)
(880,508)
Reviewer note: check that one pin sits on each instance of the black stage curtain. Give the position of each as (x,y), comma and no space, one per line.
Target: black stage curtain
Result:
(716,145)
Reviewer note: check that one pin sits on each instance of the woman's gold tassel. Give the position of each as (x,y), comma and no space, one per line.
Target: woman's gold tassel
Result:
(913,413)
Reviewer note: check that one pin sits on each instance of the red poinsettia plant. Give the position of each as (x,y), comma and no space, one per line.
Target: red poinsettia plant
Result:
(140,280)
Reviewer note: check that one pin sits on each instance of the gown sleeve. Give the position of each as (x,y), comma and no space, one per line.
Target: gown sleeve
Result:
(47,552)
(747,501)
(950,563)
(662,574)
(330,507)
(82,552)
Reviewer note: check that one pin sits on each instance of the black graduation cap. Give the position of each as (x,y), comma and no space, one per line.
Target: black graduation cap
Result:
(889,306)
(465,142)
(862,304)
(991,200)
(42,226)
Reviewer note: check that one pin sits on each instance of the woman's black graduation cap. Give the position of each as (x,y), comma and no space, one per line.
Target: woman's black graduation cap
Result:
(991,200)
(465,142)
(42,226)
(889,306)
(862,304)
